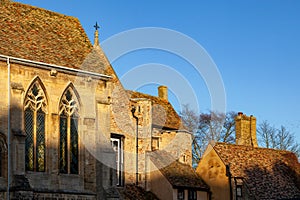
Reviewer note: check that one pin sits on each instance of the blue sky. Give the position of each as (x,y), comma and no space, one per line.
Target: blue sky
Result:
(254,44)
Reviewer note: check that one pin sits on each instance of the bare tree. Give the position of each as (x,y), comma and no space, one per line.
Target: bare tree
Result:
(277,138)
(189,118)
(205,127)
(267,134)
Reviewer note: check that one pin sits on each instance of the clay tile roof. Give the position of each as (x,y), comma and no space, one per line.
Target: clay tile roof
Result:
(40,35)
(130,192)
(178,174)
(163,113)
(268,173)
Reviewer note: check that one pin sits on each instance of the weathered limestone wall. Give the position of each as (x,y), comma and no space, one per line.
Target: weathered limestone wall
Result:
(178,144)
(90,91)
(212,170)
(245,130)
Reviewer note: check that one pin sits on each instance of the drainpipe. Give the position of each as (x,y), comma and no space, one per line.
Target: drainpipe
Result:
(8,128)
(228,174)
(133,109)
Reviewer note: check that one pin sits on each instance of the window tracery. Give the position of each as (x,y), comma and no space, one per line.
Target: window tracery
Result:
(35,109)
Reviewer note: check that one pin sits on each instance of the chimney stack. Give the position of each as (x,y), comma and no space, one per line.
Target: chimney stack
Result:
(245,129)
(163,92)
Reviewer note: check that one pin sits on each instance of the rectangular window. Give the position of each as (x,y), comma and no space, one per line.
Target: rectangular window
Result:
(117,146)
(180,194)
(155,143)
(192,195)
(239,191)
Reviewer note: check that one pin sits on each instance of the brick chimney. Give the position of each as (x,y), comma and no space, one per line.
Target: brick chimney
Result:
(163,92)
(245,129)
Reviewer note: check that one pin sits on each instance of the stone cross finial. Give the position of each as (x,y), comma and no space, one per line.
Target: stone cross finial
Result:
(96,26)
(96,36)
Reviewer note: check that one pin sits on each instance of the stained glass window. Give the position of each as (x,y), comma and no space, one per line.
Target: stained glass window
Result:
(29,139)
(34,124)
(69,151)
(74,146)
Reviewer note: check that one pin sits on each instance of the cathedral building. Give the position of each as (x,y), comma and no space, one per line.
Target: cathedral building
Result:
(69,129)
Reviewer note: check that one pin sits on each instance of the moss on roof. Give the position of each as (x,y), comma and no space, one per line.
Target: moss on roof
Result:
(268,173)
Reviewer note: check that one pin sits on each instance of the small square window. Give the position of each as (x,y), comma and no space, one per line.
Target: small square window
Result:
(239,191)
(180,194)
(192,195)
(155,143)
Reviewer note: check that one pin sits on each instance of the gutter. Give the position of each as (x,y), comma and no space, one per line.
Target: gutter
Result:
(43,65)
(8,127)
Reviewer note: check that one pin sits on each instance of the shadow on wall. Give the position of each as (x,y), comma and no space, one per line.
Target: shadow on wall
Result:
(50,179)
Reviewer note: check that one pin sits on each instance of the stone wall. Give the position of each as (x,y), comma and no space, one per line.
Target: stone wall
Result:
(245,127)
(213,171)
(89,90)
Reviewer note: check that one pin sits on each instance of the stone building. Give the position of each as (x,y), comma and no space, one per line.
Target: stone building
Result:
(68,128)
(246,171)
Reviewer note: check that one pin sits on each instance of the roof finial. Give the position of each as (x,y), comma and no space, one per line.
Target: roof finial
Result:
(96,36)
(96,26)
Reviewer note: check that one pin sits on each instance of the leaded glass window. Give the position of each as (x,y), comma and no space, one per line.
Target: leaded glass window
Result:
(68,145)
(34,124)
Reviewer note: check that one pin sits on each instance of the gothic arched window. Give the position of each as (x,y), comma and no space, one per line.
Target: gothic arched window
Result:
(34,124)
(68,139)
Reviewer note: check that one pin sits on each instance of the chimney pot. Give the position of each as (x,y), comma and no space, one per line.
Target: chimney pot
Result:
(240,113)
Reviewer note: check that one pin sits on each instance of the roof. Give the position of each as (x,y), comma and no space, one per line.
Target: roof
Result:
(131,191)
(40,35)
(178,174)
(163,113)
(268,173)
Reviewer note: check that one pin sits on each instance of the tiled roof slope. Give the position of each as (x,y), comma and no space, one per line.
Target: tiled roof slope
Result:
(131,192)
(40,35)
(163,113)
(178,174)
(268,173)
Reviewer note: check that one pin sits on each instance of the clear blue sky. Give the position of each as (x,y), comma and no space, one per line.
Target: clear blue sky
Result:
(255,45)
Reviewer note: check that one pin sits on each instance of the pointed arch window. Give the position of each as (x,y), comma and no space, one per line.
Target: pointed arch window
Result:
(68,124)
(34,124)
